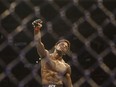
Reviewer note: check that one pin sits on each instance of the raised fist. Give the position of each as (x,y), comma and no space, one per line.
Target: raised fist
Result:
(37,23)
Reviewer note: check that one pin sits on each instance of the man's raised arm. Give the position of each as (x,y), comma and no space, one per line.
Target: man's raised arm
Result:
(37,24)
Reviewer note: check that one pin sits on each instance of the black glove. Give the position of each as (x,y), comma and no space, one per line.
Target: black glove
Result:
(37,22)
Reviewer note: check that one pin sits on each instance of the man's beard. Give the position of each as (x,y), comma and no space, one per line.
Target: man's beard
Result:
(60,53)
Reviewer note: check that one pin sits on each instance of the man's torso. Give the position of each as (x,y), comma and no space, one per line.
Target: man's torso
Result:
(53,74)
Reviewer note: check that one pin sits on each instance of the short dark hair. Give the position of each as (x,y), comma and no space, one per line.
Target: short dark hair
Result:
(64,40)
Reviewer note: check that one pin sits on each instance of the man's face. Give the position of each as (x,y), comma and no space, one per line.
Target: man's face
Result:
(62,46)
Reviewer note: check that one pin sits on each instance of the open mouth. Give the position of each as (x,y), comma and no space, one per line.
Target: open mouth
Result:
(59,52)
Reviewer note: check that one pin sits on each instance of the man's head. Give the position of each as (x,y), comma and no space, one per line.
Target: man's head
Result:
(62,46)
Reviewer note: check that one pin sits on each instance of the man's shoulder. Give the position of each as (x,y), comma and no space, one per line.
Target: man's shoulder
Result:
(67,65)
(68,68)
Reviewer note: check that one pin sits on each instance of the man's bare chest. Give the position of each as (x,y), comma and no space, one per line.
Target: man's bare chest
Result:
(60,66)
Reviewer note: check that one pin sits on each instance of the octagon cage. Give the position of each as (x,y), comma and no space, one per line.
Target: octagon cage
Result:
(89,25)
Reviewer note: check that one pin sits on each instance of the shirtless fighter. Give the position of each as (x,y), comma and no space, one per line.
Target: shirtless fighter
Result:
(54,71)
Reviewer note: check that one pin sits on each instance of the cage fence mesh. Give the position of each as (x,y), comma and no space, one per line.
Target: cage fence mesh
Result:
(89,25)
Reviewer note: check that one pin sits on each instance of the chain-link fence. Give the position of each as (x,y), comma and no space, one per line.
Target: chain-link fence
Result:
(90,26)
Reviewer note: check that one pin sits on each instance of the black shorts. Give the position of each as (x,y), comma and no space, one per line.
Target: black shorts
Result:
(52,85)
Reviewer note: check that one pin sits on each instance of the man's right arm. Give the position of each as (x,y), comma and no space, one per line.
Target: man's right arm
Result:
(37,38)
(43,53)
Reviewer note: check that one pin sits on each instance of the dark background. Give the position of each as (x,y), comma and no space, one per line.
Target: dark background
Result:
(89,25)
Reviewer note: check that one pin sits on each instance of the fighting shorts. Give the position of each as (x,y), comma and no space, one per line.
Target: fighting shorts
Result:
(52,85)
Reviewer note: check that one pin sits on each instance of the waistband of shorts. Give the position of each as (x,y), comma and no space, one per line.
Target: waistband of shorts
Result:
(52,85)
